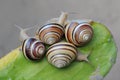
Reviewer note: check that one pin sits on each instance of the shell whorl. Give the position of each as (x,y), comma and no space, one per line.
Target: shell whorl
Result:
(33,49)
(78,33)
(51,33)
(61,54)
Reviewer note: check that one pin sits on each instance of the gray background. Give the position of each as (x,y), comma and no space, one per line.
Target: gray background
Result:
(27,13)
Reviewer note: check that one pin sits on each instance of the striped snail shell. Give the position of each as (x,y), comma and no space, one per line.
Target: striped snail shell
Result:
(53,31)
(79,32)
(61,54)
(32,48)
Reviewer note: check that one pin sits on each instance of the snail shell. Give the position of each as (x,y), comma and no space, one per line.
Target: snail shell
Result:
(79,32)
(52,32)
(32,48)
(61,54)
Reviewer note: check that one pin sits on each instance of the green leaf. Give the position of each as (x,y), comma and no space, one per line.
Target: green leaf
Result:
(14,66)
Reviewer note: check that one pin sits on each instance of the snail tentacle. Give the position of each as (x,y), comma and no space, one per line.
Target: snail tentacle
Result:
(23,34)
(63,17)
(82,57)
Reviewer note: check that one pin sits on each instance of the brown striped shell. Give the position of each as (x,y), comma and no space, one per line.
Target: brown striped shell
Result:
(33,49)
(51,33)
(61,54)
(78,32)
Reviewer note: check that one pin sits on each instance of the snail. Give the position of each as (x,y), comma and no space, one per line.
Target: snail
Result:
(53,31)
(61,54)
(32,48)
(79,32)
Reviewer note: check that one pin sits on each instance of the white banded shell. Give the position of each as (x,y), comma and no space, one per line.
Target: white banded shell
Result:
(61,54)
(51,33)
(33,49)
(79,32)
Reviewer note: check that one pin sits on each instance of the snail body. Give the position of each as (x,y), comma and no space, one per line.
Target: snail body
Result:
(62,54)
(32,48)
(53,31)
(79,32)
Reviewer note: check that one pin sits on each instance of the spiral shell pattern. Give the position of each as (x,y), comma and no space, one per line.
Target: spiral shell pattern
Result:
(61,54)
(33,49)
(78,33)
(51,33)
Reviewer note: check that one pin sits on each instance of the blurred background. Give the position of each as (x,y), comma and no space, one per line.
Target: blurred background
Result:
(27,13)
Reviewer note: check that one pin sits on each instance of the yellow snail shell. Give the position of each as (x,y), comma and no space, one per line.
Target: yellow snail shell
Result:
(79,32)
